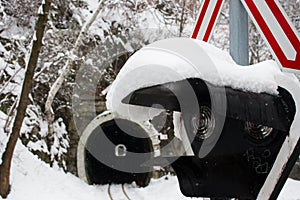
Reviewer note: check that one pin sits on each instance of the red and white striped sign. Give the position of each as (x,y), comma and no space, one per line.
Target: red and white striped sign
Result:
(270,19)
(209,13)
(277,30)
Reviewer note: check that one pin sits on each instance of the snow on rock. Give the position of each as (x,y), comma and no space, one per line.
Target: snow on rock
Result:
(158,63)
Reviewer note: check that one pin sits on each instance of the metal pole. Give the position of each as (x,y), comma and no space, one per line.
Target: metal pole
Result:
(239,37)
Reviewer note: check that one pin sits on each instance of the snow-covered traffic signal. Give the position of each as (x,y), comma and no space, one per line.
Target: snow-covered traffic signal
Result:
(238,164)
(239,124)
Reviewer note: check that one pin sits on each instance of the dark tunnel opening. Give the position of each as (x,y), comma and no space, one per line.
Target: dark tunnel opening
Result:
(116,130)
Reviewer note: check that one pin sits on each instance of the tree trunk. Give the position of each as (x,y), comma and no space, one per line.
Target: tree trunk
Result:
(182,19)
(24,99)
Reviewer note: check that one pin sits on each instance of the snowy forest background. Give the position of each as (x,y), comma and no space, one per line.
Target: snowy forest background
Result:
(121,28)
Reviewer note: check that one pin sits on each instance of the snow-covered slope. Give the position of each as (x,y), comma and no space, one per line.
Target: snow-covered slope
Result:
(34,180)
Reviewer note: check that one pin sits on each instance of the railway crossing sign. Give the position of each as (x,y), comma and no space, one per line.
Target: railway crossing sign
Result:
(270,19)
(209,13)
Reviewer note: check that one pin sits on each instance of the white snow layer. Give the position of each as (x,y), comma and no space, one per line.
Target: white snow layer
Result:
(180,58)
(34,180)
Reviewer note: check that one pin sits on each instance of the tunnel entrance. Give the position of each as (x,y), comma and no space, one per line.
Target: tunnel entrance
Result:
(116,131)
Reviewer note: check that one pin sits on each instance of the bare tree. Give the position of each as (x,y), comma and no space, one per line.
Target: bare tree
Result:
(177,13)
(5,167)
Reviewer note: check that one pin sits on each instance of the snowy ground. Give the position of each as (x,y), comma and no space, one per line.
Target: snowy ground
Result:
(32,179)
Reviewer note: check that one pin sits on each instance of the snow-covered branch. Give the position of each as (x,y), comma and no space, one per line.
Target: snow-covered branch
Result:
(65,71)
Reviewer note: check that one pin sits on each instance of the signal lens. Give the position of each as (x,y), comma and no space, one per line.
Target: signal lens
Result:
(203,123)
(258,132)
